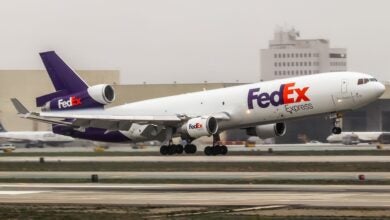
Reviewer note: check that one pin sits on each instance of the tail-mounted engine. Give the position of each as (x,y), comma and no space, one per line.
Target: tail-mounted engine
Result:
(94,97)
(200,126)
(267,131)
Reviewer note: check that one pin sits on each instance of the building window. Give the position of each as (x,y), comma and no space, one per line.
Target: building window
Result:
(305,63)
(292,63)
(309,71)
(284,55)
(284,72)
(296,63)
(284,64)
(300,55)
(309,54)
(305,72)
(296,72)
(309,63)
(288,63)
(288,55)
(304,55)
(292,55)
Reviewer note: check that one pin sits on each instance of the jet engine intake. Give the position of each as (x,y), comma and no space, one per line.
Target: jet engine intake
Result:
(268,130)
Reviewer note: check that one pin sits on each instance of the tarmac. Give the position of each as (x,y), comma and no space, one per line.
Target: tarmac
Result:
(222,159)
(194,194)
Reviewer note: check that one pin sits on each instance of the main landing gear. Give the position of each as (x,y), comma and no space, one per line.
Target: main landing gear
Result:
(172,149)
(215,149)
(336,117)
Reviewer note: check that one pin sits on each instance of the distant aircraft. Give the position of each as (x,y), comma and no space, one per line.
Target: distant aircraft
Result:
(349,138)
(33,138)
(77,110)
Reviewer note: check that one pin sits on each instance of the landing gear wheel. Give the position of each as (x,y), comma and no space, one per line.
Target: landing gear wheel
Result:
(336,130)
(224,150)
(171,150)
(190,149)
(216,150)
(178,148)
(208,150)
(164,150)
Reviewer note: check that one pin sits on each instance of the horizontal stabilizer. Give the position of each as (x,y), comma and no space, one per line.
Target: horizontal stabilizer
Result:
(19,106)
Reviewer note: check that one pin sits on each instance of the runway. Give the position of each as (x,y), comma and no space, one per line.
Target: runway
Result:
(204,194)
(199,175)
(222,159)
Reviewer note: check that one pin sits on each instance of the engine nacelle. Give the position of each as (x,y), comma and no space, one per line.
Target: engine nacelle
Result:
(104,94)
(94,97)
(201,126)
(268,130)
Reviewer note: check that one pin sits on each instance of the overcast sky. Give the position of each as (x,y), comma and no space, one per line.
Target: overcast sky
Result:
(161,41)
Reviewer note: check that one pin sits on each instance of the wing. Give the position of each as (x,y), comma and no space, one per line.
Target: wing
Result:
(100,118)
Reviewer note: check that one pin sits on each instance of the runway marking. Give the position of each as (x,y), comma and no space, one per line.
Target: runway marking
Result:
(19,192)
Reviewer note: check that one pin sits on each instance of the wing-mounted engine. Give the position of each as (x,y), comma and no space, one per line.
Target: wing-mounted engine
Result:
(199,127)
(93,97)
(267,131)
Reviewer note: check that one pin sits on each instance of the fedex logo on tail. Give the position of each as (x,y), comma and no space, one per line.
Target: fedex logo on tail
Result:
(72,101)
(287,94)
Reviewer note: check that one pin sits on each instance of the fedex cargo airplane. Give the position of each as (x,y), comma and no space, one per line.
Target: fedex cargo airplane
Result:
(33,138)
(78,110)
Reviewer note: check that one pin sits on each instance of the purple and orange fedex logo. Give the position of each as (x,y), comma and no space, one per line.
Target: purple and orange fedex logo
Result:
(287,94)
(195,126)
(72,101)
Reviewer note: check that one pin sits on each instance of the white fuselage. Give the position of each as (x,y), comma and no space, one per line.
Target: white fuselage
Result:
(310,95)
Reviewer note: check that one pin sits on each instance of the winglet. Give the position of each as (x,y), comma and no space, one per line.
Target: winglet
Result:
(19,106)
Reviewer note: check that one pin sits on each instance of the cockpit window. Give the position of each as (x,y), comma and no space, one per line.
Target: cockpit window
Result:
(366,80)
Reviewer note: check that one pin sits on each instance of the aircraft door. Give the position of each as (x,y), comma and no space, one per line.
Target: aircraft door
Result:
(344,86)
(343,98)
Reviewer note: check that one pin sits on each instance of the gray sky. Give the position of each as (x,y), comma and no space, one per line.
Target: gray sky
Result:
(161,41)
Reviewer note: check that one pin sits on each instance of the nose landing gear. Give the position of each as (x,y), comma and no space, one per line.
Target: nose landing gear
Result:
(336,117)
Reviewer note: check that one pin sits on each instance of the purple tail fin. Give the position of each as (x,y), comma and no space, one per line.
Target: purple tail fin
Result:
(64,79)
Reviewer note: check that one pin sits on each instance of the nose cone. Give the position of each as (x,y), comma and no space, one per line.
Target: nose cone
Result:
(380,89)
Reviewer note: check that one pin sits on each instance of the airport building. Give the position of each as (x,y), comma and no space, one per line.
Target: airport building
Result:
(289,56)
